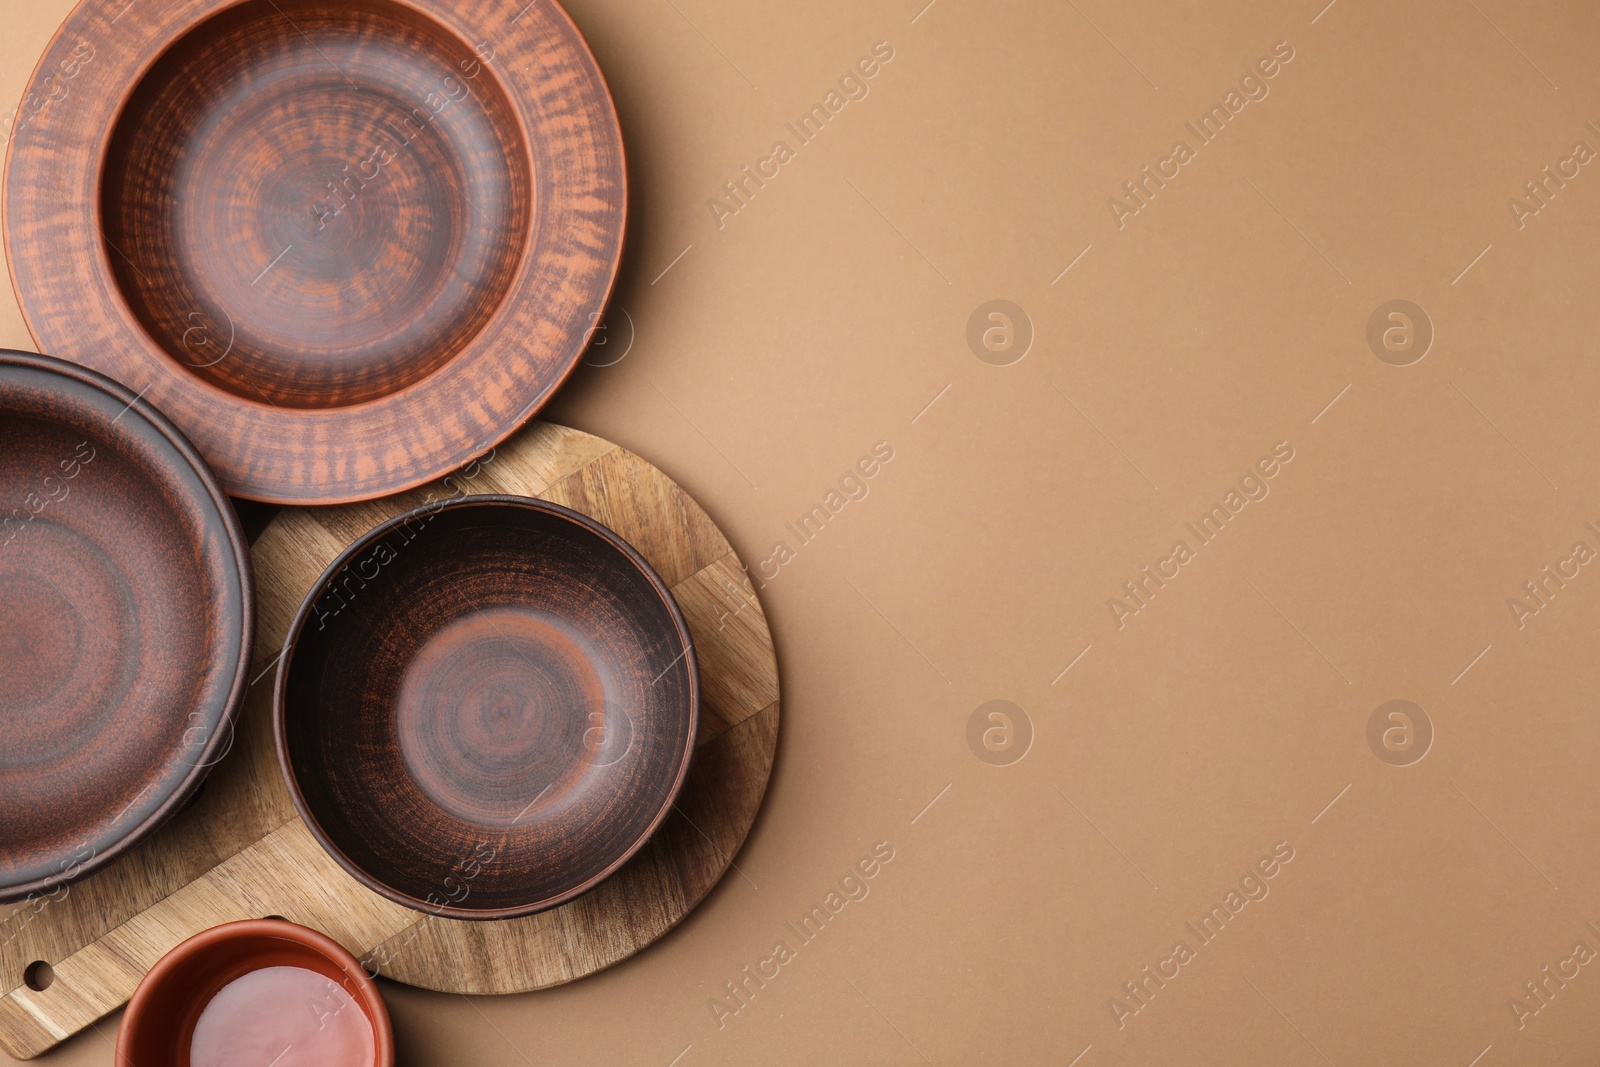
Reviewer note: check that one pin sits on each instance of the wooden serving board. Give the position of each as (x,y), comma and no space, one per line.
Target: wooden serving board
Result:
(240,851)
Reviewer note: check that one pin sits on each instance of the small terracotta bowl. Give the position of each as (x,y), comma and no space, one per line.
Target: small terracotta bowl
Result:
(485,706)
(240,993)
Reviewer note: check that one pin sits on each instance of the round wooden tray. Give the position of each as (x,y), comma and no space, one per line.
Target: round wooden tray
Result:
(239,851)
(345,247)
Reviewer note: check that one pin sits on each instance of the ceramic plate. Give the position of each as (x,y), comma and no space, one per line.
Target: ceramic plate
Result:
(345,247)
(126,621)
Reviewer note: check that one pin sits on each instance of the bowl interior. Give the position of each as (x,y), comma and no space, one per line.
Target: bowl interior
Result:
(487,707)
(311,204)
(251,991)
(122,624)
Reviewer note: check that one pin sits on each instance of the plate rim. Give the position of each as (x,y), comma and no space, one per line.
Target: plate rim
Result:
(116,319)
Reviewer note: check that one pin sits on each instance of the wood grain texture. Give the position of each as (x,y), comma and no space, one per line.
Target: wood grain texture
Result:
(239,851)
(344,246)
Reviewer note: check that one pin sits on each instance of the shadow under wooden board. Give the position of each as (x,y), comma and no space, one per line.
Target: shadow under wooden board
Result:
(239,850)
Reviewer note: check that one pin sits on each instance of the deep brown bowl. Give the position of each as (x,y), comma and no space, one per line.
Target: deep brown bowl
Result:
(126,620)
(486,706)
(159,1027)
(346,246)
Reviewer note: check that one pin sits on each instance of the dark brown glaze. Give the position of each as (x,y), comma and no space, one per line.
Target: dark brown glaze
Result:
(485,707)
(347,247)
(126,620)
(160,1022)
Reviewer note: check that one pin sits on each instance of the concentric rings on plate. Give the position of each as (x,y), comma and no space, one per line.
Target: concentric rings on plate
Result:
(345,247)
(126,621)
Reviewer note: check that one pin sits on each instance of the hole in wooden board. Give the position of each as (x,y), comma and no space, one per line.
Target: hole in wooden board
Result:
(38,976)
(280,918)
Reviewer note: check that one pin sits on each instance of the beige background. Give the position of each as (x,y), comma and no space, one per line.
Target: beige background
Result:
(1226,716)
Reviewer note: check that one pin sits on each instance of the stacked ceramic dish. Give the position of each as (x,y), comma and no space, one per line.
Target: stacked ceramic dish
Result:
(304,253)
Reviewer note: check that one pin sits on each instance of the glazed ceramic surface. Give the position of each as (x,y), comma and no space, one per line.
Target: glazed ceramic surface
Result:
(126,620)
(246,988)
(485,707)
(346,247)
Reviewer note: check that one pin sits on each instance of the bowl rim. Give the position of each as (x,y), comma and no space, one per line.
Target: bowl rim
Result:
(364,542)
(137,1014)
(307,490)
(223,730)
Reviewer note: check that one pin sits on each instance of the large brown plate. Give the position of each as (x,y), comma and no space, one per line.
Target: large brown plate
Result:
(126,619)
(345,247)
